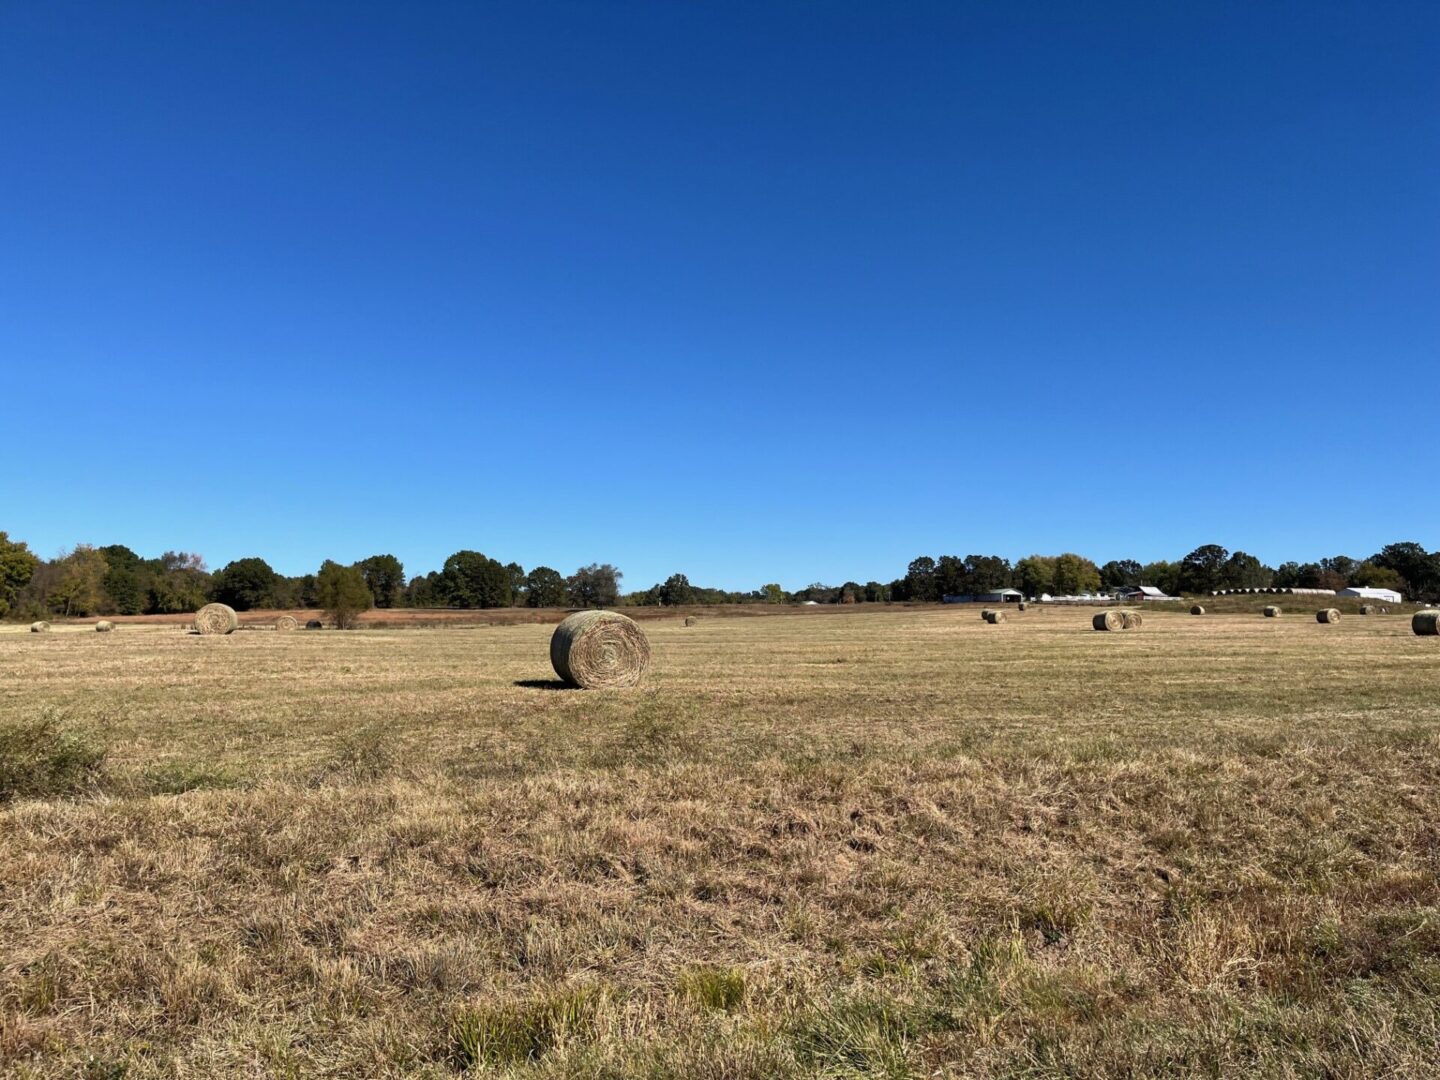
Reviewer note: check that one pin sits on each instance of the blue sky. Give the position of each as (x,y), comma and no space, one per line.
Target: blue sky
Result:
(754,292)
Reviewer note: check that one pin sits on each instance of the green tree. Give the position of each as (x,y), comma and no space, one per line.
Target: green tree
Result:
(178,582)
(1035,575)
(920,579)
(677,590)
(17,566)
(1370,576)
(1420,569)
(544,587)
(473,580)
(517,576)
(1119,573)
(244,584)
(385,578)
(342,593)
(1075,574)
(426,592)
(127,582)
(596,585)
(1165,576)
(79,587)
(772,593)
(948,578)
(876,593)
(1245,571)
(1203,570)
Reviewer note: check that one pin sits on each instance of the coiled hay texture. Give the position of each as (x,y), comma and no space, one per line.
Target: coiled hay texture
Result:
(691,620)
(286,623)
(39,627)
(1426,623)
(1021,605)
(216,619)
(1133,620)
(1108,620)
(1197,610)
(994,617)
(599,650)
(1272,612)
(1327,615)
(985,614)
(104,626)
(1367,609)
(314,624)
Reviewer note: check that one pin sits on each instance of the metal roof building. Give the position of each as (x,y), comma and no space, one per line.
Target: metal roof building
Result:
(1389,596)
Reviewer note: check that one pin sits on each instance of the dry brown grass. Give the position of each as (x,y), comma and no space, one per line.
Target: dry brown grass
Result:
(892,844)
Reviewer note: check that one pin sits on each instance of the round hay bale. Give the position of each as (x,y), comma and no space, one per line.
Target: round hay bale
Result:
(1108,620)
(1426,623)
(1367,609)
(1197,610)
(1327,615)
(994,617)
(104,626)
(216,619)
(40,627)
(314,624)
(599,650)
(691,620)
(1133,620)
(1022,605)
(985,613)
(1272,612)
(286,623)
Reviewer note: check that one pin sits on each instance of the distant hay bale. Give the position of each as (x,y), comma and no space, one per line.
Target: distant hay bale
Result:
(314,624)
(691,620)
(1327,615)
(40,627)
(994,617)
(1108,620)
(1426,623)
(104,626)
(1367,609)
(1133,620)
(985,614)
(286,623)
(1022,605)
(1197,610)
(1272,612)
(216,619)
(599,650)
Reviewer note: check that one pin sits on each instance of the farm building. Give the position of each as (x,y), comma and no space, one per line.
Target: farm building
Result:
(1143,592)
(1385,596)
(999,596)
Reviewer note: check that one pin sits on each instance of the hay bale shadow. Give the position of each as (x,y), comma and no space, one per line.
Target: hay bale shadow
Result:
(544,684)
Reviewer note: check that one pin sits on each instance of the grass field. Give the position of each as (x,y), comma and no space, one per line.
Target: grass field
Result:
(876,843)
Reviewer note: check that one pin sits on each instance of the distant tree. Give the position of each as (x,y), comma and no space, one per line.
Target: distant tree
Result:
(385,578)
(127,586)
(948,578)
(986,573)
(850,593)
(1121,572)
(1203,570)
(596,585)
(920,579)
(876,593)
(1419,569)
(677,590)
(244,584)
(425,592)
(342,592)
(1367,575)
(178,582)
(79,587)
(544,587)
(516,574)
(1244,571)
(17,566)
(472,580)
(1287,575)
(1035,575)
(772,593)
(1075,574)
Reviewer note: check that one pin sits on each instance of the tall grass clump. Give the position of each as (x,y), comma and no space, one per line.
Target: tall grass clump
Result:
(38,759)
(522,1033)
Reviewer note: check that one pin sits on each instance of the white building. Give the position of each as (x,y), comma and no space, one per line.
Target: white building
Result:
(1385,596)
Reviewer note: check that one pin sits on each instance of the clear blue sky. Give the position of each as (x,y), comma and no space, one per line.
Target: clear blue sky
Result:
(749,291)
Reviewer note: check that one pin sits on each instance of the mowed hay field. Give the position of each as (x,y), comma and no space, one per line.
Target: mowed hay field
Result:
(882,844)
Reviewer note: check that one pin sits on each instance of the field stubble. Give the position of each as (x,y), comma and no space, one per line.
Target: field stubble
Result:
(884,844)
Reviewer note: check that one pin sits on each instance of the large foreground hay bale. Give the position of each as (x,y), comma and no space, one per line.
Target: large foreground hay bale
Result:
(1272,612)
(1108,620)
(1197,610)
(40,627)
(314,624)
(1426,623)
(104,626)
(1133,620)
(994,617)
(598,650)
(1327,615)
(216,619)
(286,623)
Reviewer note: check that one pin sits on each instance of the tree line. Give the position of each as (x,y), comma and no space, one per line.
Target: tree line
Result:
(114,580)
